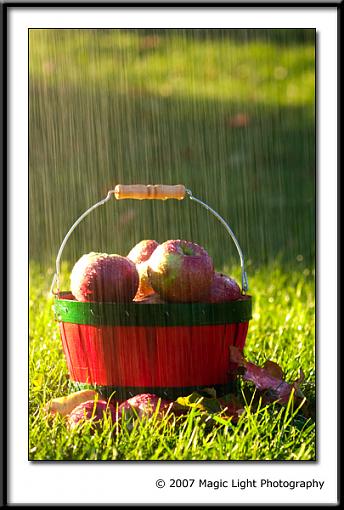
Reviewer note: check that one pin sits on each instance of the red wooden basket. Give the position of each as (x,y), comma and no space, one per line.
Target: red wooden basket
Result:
(169,349)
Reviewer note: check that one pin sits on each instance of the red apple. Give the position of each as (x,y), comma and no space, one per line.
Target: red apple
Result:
(181,271)
(103,277)
(142,251)
(140,254)
(144,404)
(91,410)
(223,288)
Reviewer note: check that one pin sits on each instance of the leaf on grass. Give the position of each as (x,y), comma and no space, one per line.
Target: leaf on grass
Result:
(38,381)
(274,369)
(229,405)
(238,120)
(232,407)
(268,379)
(64,405)
(195,400)
(211,392)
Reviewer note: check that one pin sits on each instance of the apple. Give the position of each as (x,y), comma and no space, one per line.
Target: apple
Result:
(223,288)
(142,251)
(181,271)
(144,404)
(92,410)
(103,277)
(151,299)
(140,255)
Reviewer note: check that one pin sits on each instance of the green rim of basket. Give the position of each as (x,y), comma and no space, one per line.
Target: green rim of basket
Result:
(157,314)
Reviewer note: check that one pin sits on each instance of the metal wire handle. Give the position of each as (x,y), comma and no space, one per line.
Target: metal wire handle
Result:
(56,278)
(244,279)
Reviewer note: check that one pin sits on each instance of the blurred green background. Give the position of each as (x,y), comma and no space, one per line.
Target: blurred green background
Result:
(228,113)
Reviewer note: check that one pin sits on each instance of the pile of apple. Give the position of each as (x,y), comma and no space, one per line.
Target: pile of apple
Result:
(176,271)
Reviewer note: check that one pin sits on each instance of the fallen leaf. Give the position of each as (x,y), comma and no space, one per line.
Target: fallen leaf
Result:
(273,369)
(64,405)
(237,121)
(268,379)
(229,405)
(232,407)
(197,401)
(210,392)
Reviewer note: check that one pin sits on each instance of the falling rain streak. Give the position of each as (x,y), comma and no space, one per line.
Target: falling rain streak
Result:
(228,113)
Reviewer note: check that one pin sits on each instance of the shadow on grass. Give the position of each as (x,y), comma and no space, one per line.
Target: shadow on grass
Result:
(281,36)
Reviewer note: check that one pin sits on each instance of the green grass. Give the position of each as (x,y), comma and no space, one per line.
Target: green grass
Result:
(282,329)
(176,65)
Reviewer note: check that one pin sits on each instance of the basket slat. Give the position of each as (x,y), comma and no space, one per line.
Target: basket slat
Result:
(176,356)
(154,354)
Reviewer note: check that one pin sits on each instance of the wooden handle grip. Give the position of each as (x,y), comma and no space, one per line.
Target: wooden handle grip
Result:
(149,192)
